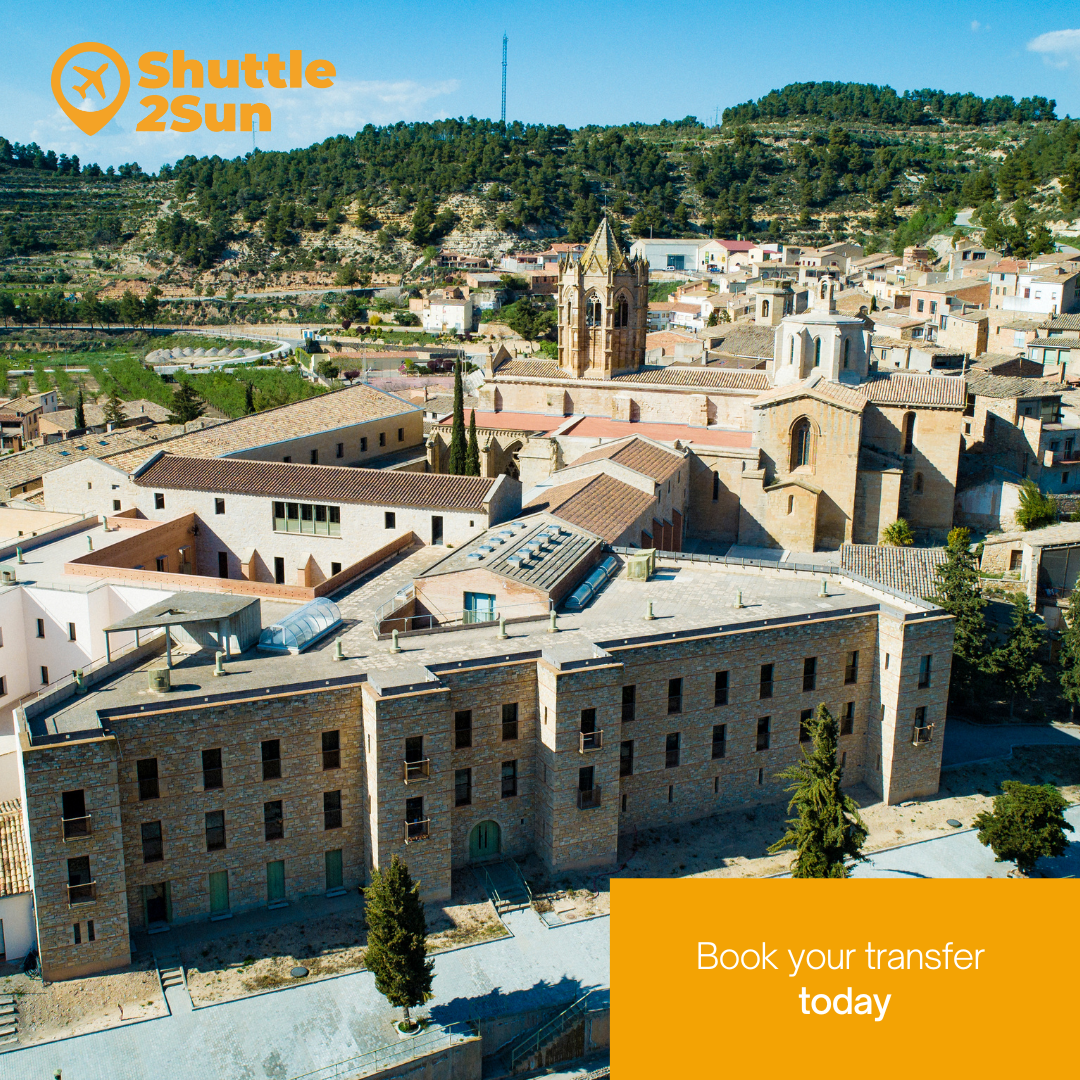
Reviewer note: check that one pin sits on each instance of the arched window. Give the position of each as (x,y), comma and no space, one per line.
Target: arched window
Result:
(624,312)
(817,352)
(594,313)
(918,483)
(764,309)
(715,487)
(824,290)
(569,313)
(802,444)
(909,432)
(847,347)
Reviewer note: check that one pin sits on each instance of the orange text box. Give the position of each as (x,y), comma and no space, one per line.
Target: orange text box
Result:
(962,978)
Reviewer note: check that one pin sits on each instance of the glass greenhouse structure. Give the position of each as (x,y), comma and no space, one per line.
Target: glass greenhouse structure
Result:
(301,628)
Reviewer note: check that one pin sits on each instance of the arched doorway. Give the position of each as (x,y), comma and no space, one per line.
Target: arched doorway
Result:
(485,841)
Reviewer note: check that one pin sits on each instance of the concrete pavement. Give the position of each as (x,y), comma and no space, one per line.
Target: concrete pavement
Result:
(966,742)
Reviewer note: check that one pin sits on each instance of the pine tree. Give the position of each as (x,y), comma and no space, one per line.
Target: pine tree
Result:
(187,405)
(458,447)
(80,411)
(1026,823)
(114,409)
(1070,653)
(828,829)
(1020,670)
(249,398)
(472,454)
(397,930)
(959,593)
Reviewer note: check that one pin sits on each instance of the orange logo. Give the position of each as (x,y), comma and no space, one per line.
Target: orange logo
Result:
(93,112)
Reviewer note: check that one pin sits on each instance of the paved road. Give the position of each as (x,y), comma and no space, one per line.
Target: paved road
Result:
(976,742)
(307,1027)
(962,856)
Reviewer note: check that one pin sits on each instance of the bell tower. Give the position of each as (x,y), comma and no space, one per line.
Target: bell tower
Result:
(603,309)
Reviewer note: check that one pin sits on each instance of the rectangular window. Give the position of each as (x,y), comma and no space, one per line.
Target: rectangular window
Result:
(920,305)
(279,570)
(3,686)
(146,770)
(924,671)
(720,688)
(340,451)
(44,675)
(80,883)
(215,830)
(629,700)
(73,809)
(382,438)
(287,460)
(462,787)
(331,808)
(390,520)
(363,444)
(271,759)
(151,842)
(415,825)
(90,935)
(211,769)
(159,500)
(766,681)
(626,758)
(159,564)
(78,933)
(719,741)
(223,564)
(920,716)
(462,729)
(804,719)
(314,519)
(851,668)
(809,674)
(41,628)
(273,820)
(674,696)
(314,457)
(847,719)
(219,506)
(510,722)
(671,750)
(71,631)
(763,725)
(509,779)
(586,782)
(400,434)
(331,750)
(335,569)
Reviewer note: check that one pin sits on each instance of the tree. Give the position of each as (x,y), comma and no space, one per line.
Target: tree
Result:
(472,454)
(458,449)
(89,309)
(1070,653)
(365,219)
(397,930)
(131,308)
(114,409)
(80,411)
(827,830)
(1018,658)
(187,405)
(249,398)
(1036,510)
(1027,823)
(898,534)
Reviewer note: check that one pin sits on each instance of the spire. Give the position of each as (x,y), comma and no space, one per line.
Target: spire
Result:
(604,250)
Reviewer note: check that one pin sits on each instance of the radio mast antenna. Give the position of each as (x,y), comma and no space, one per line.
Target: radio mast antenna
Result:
(504,81)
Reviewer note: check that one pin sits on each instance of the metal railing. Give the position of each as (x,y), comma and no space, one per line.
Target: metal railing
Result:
(590,740)
(76,828)
(408,624)
(921,734)
(589,799)
(417,830)
(84,893)
(533,1042)
(416,770)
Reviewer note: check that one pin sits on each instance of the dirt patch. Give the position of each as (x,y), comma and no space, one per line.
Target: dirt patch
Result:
(569,895)
(61,1009)
(248,962)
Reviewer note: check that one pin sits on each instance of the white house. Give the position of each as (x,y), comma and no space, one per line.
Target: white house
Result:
(1045,292)
(443,314)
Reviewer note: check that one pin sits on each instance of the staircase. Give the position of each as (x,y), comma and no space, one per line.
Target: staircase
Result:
(9,1020)
(505,885)
(528,1051)
(172,977)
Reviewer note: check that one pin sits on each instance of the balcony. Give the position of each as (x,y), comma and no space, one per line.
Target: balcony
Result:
(85,893)
(588,799)
(921,734)
(417,830)
(590,740)
(77,828)
(416,770)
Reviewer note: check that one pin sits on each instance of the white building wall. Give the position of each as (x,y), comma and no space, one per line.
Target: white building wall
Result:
(656,252)
(17,917)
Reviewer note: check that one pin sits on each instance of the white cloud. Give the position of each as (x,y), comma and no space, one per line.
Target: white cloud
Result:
(1058,47)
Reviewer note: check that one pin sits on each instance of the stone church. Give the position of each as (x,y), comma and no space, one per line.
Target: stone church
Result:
(809,451)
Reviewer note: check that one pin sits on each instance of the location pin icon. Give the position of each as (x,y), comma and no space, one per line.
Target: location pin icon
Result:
(90,122)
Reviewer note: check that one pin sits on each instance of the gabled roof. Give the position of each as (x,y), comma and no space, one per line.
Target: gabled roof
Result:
(756,341)
(638,454)
(600,504)
(603,251)
(282,480)
(834,393)
(14,859)
(1012,386)
(907,569)
(900,388)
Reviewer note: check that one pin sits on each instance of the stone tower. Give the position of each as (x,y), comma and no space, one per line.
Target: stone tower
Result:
(603,309)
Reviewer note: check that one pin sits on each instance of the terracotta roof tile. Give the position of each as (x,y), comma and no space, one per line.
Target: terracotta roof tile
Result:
(644,457)
(846,397)
(1009,386)
(601,504)
(888,388)
(14,859)
(908,569)
(281,480)
(709,378)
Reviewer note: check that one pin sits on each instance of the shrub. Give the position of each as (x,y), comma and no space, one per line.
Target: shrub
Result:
(898,534)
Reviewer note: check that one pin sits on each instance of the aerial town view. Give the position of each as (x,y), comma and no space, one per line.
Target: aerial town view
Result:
(411,524)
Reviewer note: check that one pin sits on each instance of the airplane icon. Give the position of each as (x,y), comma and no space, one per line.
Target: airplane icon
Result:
(92,77)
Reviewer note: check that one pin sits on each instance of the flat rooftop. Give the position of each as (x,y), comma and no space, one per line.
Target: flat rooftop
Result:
(687,597)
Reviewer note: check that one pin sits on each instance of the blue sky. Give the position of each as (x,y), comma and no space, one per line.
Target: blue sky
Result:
(571,62)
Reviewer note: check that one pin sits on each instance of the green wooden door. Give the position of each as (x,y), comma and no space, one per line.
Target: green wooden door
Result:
(275,881)
(334,876)
(484,841)
(219,892)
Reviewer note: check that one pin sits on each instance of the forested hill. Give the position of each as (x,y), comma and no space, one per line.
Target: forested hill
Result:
(810,162)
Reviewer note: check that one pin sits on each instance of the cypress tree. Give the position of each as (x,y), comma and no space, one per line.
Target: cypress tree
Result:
(114,409)
(1070,653)
(397,931)
(1020,670)
(458,448)
(80,412)
(249,398)
(828,829)
(187,405)
(472,455)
